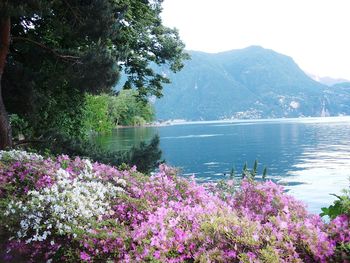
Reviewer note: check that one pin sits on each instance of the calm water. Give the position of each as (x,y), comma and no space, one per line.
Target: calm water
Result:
(310,156)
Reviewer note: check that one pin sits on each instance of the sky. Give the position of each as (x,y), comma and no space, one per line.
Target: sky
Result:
(315,33)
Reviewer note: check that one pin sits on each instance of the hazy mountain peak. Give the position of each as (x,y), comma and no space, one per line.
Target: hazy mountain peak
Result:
(253,82)
(329,81)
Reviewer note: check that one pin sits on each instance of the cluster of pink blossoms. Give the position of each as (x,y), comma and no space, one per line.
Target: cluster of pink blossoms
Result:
(159,218)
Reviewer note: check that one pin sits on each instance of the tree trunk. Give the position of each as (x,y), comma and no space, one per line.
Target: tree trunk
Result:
(5,127)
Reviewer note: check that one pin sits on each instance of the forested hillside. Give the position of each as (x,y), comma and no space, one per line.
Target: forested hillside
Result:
(249,83)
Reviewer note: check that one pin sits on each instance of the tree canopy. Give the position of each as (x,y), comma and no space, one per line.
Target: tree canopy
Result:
(59,50)
(104,112)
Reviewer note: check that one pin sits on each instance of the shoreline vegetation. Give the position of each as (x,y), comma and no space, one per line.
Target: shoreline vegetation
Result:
(184,122)
(53,63)
(62,209)
(155,124)
(107,111)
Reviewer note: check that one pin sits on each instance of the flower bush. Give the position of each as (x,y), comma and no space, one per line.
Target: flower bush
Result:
(70,210)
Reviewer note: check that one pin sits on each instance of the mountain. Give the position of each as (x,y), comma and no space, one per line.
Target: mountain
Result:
(329,81)
(248,83)
(338,98)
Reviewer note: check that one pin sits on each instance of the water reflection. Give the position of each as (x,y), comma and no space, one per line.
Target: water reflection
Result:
(125,138)
(323,171)
(138,147)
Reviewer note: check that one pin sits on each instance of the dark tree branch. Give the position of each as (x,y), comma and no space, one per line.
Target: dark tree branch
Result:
(5,127)
(48,49)
(75,14)
(5,26)
(27,142)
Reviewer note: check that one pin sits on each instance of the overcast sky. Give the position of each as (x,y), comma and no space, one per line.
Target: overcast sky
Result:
(315,33)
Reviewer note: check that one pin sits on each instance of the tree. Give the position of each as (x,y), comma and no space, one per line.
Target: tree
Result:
(96,117)
(53,52)
(126,109)
(5,128)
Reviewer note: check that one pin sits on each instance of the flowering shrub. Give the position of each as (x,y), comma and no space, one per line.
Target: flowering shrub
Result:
(69,203)
(66,209)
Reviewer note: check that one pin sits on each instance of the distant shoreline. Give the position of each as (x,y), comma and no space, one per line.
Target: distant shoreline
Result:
(227,121)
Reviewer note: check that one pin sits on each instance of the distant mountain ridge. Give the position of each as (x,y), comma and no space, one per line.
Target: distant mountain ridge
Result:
(247,83)
(329,81)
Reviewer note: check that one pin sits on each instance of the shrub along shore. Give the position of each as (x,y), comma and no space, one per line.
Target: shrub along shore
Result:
(69,210)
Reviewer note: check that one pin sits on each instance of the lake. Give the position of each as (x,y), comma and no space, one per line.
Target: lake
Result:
(310,156)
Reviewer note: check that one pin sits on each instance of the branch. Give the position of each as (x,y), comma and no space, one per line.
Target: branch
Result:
(28,142)
(5,27)
(48,49)
(76,15)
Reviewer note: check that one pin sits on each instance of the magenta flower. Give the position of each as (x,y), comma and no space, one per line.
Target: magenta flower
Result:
(162,217)
(84,256)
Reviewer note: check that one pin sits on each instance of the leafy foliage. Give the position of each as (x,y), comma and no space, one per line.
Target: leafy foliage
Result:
(126,109)
(104,112)
(229,186)
(339,212)
(20,127)
(340,206)
(62,49)
(246,173)
(96,114)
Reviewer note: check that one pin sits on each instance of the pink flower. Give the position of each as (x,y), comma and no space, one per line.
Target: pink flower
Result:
(156,254)
(84,256)
(175,219)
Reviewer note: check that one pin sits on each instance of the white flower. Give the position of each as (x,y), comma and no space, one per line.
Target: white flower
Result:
(68,204)
(19,155)
(121,182)
(71,203)
(88,165)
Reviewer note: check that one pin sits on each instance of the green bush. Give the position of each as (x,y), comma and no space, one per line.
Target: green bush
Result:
(96,115)
(103,112)
(339,207)
(20,127)
(127,110)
